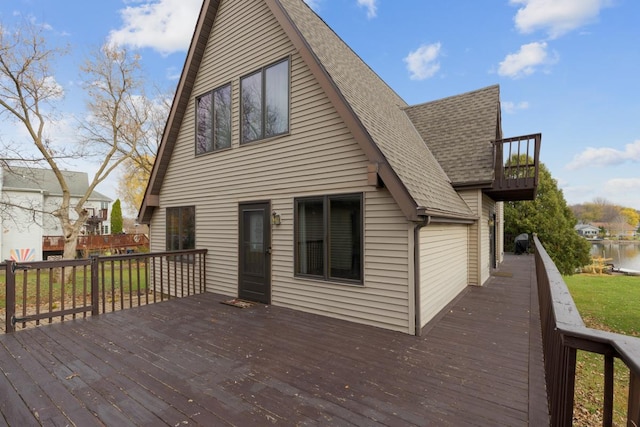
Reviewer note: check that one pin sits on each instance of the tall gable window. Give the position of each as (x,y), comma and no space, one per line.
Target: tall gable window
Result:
(181,228)
(264,102)
(213,120)
(328,235)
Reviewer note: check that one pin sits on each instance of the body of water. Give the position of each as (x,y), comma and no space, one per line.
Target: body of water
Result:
(624,255)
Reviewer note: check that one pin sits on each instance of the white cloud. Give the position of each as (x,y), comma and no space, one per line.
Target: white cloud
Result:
(556,17)
(51,89)
(575,194)
(163,25)
(526,60)
(606,156)
(370,5)
(423,63)
(623,185)
(512,107)
(624,191)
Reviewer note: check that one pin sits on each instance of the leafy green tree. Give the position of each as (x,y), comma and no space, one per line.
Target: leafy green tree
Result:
(550,218)
(116,217)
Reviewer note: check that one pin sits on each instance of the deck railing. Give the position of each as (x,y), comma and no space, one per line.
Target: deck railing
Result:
(46,291)
(97,242)
(564,333)
(517,162)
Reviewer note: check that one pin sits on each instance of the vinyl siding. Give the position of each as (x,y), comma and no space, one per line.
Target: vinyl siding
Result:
(318,157)
(443,267)
(488,207)
(473,198)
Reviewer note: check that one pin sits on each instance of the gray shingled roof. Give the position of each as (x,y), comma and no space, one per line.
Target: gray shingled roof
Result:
(380,111)
(458,130)
(29,179)
(371,109)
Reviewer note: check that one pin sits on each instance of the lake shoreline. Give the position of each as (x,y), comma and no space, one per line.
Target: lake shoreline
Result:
(620,253)
(614,242)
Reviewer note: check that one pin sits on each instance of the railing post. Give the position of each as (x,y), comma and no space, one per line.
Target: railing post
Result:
(633,415)
(569,386)
(607,411)
(499,162)
(10,292)
(95,294)
(203,276)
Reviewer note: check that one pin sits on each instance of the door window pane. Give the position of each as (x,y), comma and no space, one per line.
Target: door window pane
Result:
(253,244)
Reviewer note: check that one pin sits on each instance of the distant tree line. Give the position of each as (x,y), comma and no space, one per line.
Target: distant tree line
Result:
(601,210)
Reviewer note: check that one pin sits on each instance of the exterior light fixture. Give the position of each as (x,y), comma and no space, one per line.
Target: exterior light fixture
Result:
(275,218)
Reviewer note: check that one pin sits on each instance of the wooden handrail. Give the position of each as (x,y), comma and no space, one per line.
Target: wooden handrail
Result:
(563,333)
(97,242)
(99,284)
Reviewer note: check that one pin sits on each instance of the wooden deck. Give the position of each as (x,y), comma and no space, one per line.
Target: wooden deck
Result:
(197,362)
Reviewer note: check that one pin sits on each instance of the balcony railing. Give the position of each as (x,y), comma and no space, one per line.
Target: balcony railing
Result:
(96,242)
(47,291)
(516,168)
(99,216)
(564,333)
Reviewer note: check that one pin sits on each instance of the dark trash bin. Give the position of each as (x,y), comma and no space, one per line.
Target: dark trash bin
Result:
(521,244)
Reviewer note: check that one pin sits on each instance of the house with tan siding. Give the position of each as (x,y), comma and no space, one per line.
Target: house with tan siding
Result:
(314,186)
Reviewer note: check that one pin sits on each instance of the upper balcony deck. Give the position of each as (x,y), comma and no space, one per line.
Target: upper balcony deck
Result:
(516,168)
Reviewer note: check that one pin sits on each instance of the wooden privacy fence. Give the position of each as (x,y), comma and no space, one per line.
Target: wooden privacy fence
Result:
(58,290)
(563,333)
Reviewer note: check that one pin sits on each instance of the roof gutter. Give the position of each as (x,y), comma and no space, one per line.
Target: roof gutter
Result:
(460,186)
(443,218)
(416,271)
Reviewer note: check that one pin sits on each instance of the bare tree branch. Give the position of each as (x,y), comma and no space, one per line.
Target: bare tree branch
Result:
(111,133)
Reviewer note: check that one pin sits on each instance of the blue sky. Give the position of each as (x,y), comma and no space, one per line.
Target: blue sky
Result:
(569,69)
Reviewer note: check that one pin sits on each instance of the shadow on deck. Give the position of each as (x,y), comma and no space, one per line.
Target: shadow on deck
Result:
(196,361)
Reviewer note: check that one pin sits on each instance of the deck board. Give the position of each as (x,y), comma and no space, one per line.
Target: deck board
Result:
(199,362)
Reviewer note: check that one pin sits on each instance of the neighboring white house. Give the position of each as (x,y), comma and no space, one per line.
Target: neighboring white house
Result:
(28,196)
(587,231)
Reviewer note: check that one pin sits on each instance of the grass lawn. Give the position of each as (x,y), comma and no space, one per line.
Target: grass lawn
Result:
(609,303)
